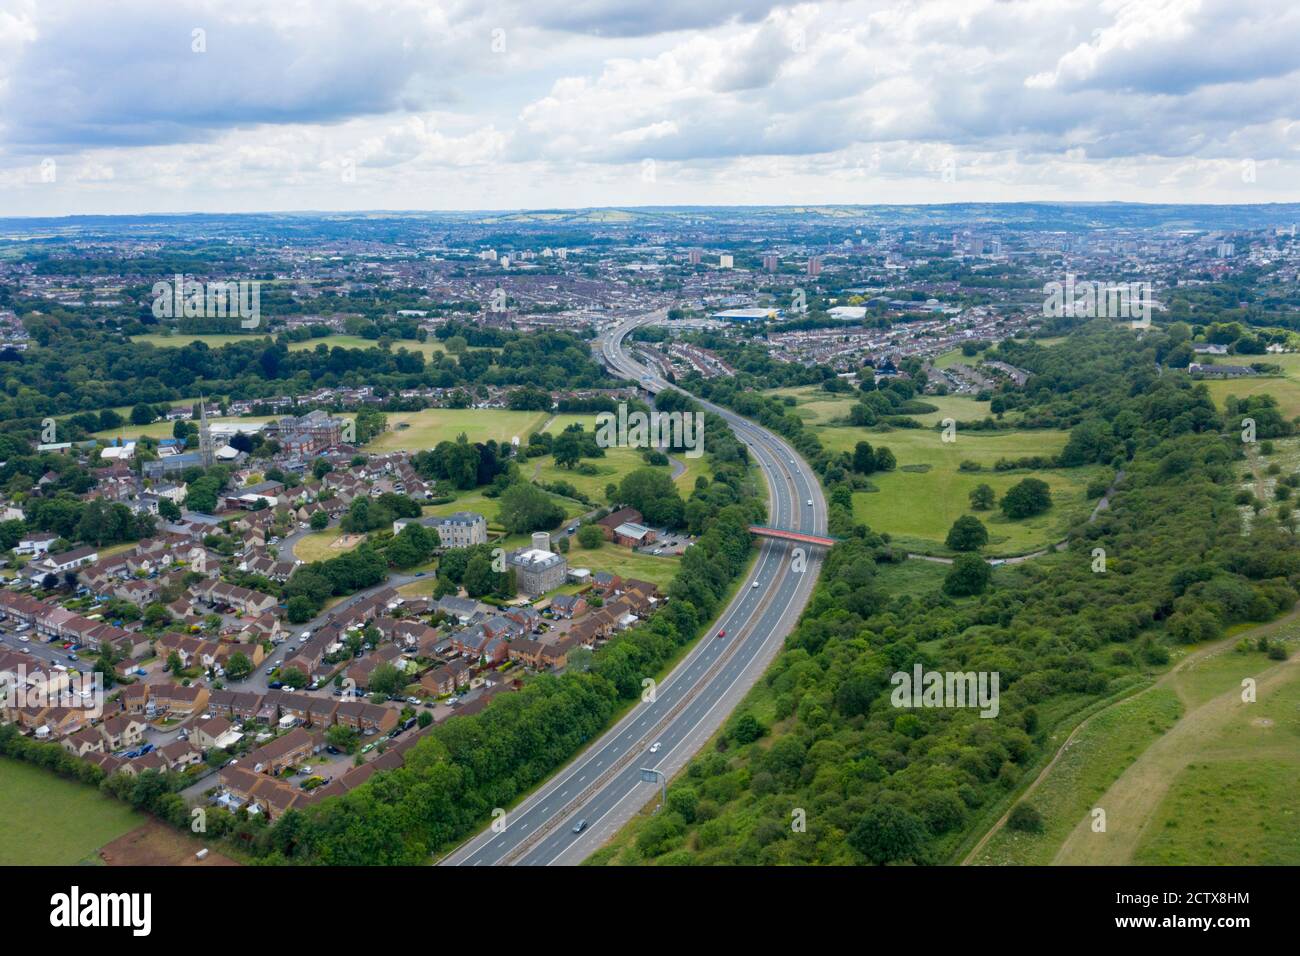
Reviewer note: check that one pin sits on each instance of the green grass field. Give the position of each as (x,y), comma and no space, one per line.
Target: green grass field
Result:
(953,356)
(323,545)
(818,407)
(612,469)
(490,507)
(1285,388)
(623,562)
(49,821)
(424,429)
(1229,813)
(427,348)
(1098,755)
(1237,801)
(918,507)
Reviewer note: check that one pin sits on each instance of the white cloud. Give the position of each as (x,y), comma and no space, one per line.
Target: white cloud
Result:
(860,100)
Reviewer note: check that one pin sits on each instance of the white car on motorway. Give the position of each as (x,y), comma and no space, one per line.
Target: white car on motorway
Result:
(654,747)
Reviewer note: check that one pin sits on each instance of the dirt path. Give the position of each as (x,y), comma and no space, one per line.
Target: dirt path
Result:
(1132,800)
(1169,677)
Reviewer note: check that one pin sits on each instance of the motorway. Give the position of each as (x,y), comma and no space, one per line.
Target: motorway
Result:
(603,787)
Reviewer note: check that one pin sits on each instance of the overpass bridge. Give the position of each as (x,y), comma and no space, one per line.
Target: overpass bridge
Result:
(799,537)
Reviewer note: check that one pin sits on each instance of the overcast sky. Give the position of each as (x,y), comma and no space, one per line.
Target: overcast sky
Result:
(176,105)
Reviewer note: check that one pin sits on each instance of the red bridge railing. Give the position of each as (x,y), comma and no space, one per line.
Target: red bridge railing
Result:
(799,536)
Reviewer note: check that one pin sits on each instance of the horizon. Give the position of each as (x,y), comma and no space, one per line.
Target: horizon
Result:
(469,210)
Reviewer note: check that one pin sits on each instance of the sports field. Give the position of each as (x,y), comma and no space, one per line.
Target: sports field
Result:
(424,429)
(1285,388)
(325,544)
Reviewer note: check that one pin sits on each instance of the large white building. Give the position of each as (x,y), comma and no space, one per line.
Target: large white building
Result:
(460,530)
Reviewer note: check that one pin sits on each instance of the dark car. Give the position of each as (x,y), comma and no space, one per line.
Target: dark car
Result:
(580,826)
(275,684)
(331,749)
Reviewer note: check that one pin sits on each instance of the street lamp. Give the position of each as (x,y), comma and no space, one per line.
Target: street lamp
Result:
(650,775)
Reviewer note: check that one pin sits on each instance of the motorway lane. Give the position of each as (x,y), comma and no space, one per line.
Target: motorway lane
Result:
(688,730)
(684,713)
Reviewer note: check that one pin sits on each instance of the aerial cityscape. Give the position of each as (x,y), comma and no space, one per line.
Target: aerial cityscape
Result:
(592,472)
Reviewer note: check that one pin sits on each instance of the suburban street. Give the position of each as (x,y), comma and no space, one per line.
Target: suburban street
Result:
(603,787)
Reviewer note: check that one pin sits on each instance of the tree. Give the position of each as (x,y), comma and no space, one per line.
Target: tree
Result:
(387,679)
(239,666)
(864,458)
(885,460)
(479,578)
(156,615)
(982,497)
(745,729)
(888,834)
(567,449)
(967,534)
(524,507)
(969,575)
(654,494)
(590,536)
(168,509)
(301,608)
(1024,818)
(343,737)
(319,521)
(1027,498)
(293,677)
